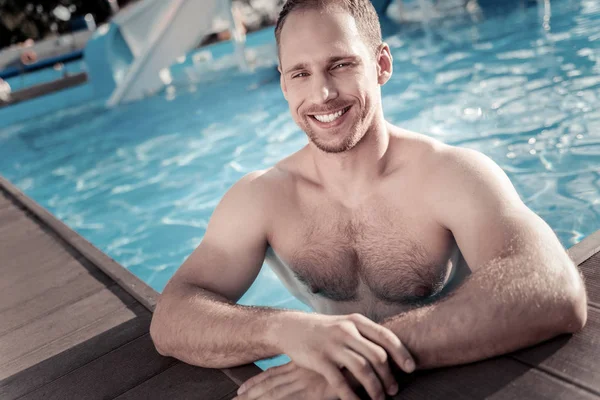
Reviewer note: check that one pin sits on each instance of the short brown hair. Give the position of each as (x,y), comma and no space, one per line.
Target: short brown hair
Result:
(362,11)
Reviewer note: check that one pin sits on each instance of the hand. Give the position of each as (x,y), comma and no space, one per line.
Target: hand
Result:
(289,382)
(327,343)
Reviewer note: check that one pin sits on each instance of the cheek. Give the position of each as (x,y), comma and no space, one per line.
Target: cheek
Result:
(355,86)
(295,100)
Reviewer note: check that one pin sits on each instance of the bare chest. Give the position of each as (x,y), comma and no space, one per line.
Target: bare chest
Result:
(379,256)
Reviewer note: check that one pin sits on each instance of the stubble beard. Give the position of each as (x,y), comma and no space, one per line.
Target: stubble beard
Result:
(355,134)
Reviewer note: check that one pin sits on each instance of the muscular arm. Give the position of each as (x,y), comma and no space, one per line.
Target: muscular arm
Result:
(523,288)
(196,319)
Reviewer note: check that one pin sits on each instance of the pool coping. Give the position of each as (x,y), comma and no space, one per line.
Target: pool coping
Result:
(148,297)
(129,282)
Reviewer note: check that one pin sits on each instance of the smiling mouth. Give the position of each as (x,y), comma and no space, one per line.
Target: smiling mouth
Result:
(327,118)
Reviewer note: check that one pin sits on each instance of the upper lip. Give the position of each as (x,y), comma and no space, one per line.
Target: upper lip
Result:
(330,112)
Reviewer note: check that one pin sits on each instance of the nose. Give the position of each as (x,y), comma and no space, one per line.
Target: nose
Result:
(324,89)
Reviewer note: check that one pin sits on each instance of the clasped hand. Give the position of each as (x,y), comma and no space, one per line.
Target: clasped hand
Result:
(319,347)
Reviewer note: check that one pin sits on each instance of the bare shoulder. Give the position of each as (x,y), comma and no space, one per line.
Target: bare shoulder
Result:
(261,188)
(464,184)
(260,184)
(455,168)
(284,176)
(463,161)
(452,177)
(433,156)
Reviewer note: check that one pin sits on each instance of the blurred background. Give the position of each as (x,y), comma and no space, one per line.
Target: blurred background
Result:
(35,20)
(129,120)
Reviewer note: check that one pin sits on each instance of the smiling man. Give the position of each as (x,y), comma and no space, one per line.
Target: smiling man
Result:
(412,252)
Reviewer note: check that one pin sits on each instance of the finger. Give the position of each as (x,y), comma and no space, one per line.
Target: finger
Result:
(363,371)
(378,358)
(267,385)
(282,392)
(264,375)
(336,380)
(386,339)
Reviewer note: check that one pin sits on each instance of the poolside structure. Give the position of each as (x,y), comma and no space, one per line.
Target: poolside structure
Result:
(44,88)
(74,325)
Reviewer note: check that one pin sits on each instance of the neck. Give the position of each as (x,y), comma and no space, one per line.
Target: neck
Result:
(350,175)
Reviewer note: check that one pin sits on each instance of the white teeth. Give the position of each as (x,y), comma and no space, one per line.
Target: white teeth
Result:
(329,117)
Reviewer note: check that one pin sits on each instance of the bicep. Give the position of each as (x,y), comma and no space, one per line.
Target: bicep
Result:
(232,251)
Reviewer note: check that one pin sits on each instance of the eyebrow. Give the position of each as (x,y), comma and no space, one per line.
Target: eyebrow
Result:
(330,60)
(296,67)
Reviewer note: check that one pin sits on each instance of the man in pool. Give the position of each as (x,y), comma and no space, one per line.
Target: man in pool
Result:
(413,253)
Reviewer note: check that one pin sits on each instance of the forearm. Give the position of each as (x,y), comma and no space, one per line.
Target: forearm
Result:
(498,309)
(205,329)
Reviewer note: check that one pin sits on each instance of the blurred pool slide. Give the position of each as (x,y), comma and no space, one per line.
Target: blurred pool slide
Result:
(125,58)
(130,57)
(148,37)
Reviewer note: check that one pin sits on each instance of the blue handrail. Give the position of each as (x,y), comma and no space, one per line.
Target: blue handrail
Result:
(46,62)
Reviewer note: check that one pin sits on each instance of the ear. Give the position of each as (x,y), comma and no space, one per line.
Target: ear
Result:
(384,64)
(282,82)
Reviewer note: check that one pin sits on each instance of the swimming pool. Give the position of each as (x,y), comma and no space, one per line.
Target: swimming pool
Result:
(141,181)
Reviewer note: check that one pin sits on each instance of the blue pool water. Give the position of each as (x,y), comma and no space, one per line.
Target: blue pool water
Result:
(141,181)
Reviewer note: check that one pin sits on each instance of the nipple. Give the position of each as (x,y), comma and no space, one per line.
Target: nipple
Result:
(422,291)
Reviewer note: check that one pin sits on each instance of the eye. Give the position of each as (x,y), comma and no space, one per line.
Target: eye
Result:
(300,75)
(340,65)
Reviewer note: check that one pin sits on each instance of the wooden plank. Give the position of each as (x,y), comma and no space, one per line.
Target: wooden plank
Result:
(183,381)
(82,347)
(583,250)
(7,244)
(132,284)
(591,273)
(66,342)
(107,376)
(4,201)
(51,271)
(498,378)
(574,358)
(230,395)
(10,218)
(19,342)
(49,294)
(22,260)
(9,208)
(10,211)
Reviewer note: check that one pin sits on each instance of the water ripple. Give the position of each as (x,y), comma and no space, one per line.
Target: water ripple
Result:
(141,181)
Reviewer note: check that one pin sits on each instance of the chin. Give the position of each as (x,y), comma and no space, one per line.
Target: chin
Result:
(335,139)
(336,146)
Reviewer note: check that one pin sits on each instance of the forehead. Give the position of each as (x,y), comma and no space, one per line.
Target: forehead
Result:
(313,35)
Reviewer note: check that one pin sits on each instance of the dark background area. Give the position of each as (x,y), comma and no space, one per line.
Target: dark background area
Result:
(21,19)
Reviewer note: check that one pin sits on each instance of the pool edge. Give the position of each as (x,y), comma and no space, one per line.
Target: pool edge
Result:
(129,282)
(147,296)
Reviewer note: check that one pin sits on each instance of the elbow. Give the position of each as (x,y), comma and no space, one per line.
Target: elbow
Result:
(578,314)
(576,310)
(158,335)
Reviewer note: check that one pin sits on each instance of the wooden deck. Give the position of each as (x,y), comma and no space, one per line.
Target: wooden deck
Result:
(74,325)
